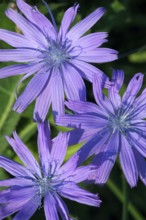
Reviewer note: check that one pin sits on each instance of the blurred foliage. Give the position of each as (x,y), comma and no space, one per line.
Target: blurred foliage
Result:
(125,21)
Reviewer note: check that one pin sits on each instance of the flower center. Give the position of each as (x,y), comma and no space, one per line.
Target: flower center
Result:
(45,185)
(50,181)
(56,54)
(119,122)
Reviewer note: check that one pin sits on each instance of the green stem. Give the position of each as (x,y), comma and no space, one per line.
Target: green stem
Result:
(7,111)
(125,202)
(131,208)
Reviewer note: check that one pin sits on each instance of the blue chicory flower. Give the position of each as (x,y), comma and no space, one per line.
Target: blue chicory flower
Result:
(57,59)
(34,185)
(115,126)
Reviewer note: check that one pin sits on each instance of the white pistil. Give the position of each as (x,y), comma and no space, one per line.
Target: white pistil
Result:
(119,122)
(45,185)
(49,182)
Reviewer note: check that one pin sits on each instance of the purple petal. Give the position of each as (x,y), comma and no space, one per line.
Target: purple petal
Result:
(84,107)
(15,200)
(118,79)
(84,121)
(10,208)
(117,82)
(44,146)
(17,182)
(29,30)
(58,93)
(5,192)
(73,192)
(91,41)
(44,24)
(67,19)
(139,112)
(73,84)
(105,160)
(19,69)
(141,100)
(81,174)
(50,210)
(80,135)
(15,39)
(100,98)
(69,167)
(24,154)
(138,141)
(96,142)
(141,165)
(99,55)
(128,162)
(14,168)
(32,90)
(19,55)
(61,207)
(59,148)
(26,76)
(98,84)
(36,17)
(84,25)
(139,106)
(133,88)
(28,209)
(17,194)
(43,102)
(138,126)
(87,71)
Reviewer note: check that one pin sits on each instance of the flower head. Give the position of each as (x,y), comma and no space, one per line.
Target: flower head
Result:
(34,184)
(57,60)
(115,126)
